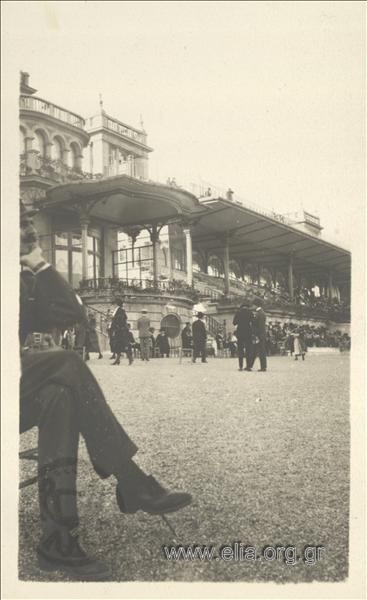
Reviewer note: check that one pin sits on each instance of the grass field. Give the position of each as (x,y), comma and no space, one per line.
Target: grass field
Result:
(265,455)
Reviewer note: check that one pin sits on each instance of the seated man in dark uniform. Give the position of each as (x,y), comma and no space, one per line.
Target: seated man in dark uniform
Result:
(59,394)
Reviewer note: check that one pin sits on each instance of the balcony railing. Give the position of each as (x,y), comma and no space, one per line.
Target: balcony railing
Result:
(119,286)
(33,163)
(52,110)
(122,129)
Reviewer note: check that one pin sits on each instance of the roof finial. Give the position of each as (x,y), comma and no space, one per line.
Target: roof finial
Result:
(141,122)
(100,102)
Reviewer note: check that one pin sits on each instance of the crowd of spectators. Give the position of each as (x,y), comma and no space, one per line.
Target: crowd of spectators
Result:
(304,301)
(280,337)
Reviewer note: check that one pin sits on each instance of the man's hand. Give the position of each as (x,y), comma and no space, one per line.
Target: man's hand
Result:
(33,259)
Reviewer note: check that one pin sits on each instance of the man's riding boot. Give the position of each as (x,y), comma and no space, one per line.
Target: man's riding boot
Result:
(57,467)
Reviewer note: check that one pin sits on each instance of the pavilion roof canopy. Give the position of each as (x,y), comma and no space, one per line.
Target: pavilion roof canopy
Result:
(124,201)
(256,237)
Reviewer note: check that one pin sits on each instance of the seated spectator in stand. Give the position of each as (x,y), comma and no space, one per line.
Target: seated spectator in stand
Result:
(163,344)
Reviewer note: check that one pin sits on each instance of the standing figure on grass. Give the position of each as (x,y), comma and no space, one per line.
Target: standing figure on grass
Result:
(59,395)
(163,344)
(232,344)
(244,321)
(299,345)
(118,326)
(143,326)
(122,343)
(108,319)
(259,326)
(152,342)
(92,342)
(199,336)
(186,338)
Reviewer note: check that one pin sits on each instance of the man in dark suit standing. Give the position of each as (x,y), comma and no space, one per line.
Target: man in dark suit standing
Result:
(199,336)
(260,333)
(60,396)
(244,321)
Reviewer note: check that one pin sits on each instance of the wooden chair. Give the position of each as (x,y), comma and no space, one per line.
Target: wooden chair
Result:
(30,454)
(185,352)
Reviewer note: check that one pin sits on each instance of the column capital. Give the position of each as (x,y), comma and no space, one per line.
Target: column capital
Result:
(132,232)
(154,233)
(84,218)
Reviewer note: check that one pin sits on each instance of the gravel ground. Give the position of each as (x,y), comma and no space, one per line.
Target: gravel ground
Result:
(265,455)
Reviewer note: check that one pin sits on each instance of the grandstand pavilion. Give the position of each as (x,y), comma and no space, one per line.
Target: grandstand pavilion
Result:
(111,231)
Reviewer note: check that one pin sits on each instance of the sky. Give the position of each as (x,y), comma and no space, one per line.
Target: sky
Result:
(264,97)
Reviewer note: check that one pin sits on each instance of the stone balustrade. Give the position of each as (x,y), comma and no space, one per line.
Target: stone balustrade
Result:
(32,103)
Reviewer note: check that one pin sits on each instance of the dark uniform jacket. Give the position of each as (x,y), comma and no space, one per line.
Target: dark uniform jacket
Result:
(244,321)
(47,302)
(198,332)
(259,324)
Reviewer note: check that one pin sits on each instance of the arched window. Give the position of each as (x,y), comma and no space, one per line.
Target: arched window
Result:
(172,325)
(74,156)
(40,142)
(57,149)
(21,141)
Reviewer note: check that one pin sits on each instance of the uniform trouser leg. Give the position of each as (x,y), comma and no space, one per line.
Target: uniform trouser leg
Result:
(241,344)
(249,354)
(60,395)
(262,354)
(58,439)
(144,348)
(105,439)
(203,352)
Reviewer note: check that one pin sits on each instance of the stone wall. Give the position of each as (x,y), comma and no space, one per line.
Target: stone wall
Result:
(158,306)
